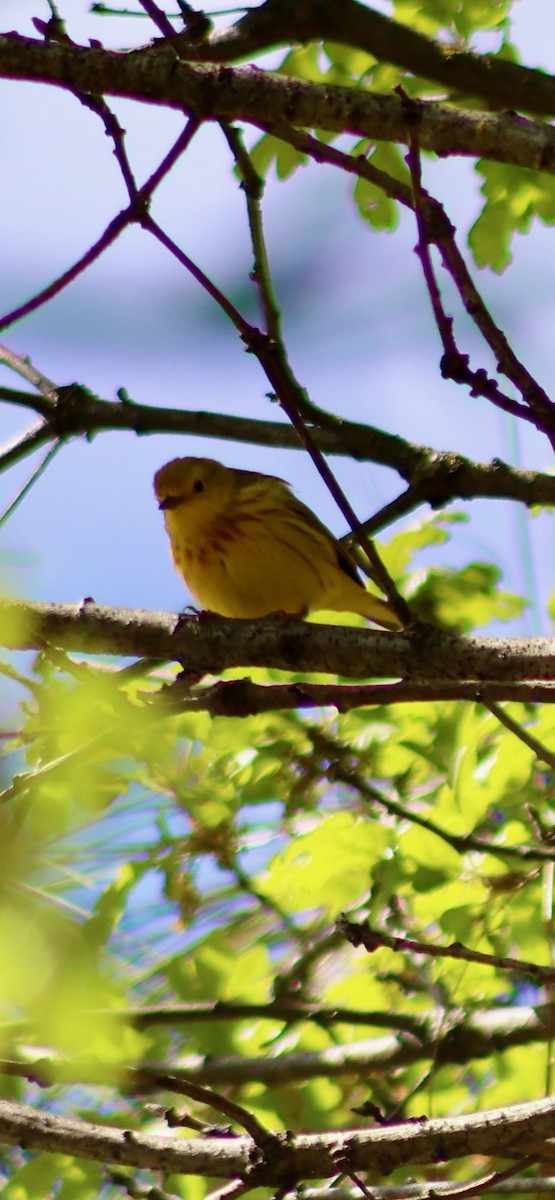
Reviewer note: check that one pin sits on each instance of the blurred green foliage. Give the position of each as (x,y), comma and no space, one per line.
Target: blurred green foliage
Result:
(150,859)
(513,198)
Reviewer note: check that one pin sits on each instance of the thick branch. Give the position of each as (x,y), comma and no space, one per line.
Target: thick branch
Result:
(242,697)
(502,83)
(285,1159)
(207,643)
(226,93)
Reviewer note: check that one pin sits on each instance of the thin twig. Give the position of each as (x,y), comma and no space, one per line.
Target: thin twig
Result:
(114,130)
(203,1095)
(340,772)
(429,1191)
(133,213)
(27,444)
(359,1184)
(287,388)
(541,752)
(25,368)
(136,1191)
(245,330)
(373,939)
(231,1191)
(253,187)
(160,19)
(16,677)
(246,885)
(454,365)
(23,491)
(294,981)
(291,1012)
(478,1187)
(111,232)
(439,231)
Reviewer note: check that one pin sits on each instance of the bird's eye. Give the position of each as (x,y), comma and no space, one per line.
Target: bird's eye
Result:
(198,485)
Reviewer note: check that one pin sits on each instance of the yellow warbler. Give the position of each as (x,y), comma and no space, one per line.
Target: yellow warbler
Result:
(246,547)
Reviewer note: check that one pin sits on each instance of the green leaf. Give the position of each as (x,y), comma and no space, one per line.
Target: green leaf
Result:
(348,62)
(432,530)
(36,1178)
(463,600)
(373,203)
(514,196)
(272,150)
(473,15)
(464,16)
(111,904)
(327,868)
(304,63)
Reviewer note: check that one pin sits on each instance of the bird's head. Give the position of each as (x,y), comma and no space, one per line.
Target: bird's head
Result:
(194,486)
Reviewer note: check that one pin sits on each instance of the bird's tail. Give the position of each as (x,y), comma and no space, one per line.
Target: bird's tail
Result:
(379,611)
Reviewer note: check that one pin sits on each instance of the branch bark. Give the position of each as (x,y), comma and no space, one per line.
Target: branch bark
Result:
(498,81)
(243,698)
(208,643)
(283,1159)
(156,76)
(454,1040)
(435,477)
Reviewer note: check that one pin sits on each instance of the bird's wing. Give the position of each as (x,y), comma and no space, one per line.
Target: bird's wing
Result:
(343,558)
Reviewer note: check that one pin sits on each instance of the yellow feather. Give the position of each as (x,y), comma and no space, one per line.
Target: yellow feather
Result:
(246,547)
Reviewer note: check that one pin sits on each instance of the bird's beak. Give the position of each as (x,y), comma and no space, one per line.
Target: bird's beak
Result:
(170,502)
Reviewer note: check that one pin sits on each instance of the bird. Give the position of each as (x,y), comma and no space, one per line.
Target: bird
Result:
(247,547)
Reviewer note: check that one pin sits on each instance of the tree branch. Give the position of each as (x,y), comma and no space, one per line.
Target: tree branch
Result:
(542,753)
(525,1186)
(291,395)
(455,365)
(461,1040)
(242,697)
(438,230)
(208,643)
(291,1012)
(286,1159)
(362,934)
(435,477)
(462,1037)
(154,76)
(136,211)
(499,82)
(338,768)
